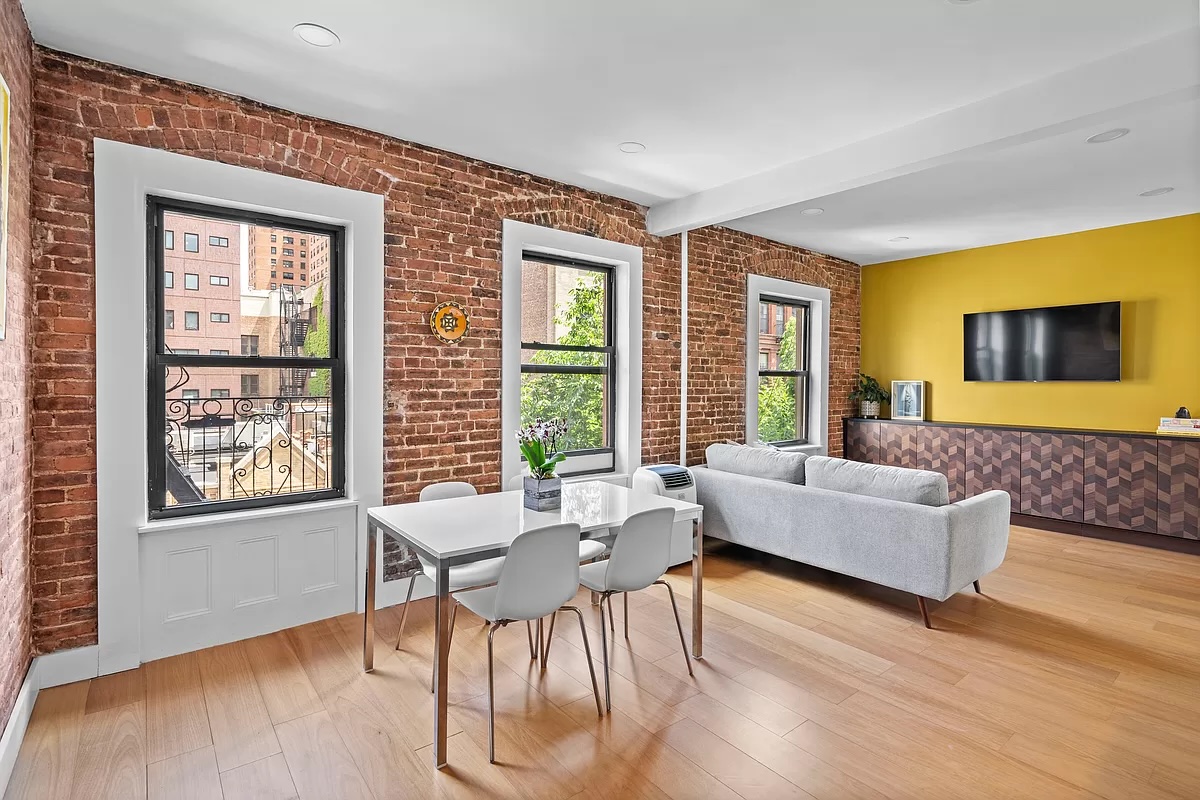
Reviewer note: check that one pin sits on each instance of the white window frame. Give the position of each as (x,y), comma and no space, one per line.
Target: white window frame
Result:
(626,261)
(818,298)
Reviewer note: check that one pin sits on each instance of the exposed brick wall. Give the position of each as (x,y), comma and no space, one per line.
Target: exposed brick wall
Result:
(719,260)
(442,241)
(16,65)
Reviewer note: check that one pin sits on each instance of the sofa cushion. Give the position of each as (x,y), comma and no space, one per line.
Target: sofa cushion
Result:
(756,462)
(877,480)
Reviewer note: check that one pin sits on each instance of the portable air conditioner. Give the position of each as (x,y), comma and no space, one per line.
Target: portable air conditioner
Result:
(675,482)
(667,480)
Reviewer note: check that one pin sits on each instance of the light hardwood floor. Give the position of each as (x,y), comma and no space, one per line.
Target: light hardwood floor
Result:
(1076,675)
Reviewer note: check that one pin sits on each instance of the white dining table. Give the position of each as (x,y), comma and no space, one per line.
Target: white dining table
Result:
(464,529)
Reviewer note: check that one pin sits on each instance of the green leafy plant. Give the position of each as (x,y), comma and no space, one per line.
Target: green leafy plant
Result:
(868,390)
(539,445)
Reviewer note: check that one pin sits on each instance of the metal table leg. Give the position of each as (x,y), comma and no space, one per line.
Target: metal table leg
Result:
(698,587)
(441,655)
(369,601)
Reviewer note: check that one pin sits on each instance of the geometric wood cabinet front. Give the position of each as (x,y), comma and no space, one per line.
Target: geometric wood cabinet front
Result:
(898,444)
(1179,488)
(944,449)
(862,441)
(1052,475)
(1121,485)
(994,462)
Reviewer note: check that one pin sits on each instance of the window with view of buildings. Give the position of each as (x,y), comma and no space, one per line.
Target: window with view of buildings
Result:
(783,371)
(261,369)
(567,352)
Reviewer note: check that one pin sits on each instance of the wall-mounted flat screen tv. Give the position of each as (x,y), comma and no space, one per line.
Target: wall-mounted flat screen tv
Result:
(1060,343)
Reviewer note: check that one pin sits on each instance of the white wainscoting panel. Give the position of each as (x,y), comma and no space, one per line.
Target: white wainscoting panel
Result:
(208,583)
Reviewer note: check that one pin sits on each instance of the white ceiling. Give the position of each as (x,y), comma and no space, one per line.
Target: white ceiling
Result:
(720,92)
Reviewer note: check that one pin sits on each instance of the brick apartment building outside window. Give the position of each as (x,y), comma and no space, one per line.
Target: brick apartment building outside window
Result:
(251,390)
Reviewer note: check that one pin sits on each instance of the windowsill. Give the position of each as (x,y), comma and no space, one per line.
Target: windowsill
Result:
(807,449)
(238,517)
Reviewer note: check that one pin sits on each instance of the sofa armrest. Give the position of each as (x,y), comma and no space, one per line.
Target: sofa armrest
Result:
(978,537)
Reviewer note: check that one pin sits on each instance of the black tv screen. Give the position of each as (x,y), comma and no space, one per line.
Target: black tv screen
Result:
(1060,343)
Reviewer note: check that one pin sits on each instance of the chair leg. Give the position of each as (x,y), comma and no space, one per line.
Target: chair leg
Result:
(529,633)
(404,616)
(679,626)
(449,641)
(541,640)
(491,698)
(625,600)
(977,589)
(604,652)
(587,651)
(612,618)
(924,612)
(550,638)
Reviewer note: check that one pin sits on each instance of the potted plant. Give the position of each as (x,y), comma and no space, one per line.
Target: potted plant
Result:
(539,445)
(868,393)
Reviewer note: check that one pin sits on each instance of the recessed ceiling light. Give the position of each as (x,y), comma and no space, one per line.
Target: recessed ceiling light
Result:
(316,35)
(631,147)
(1157,192)
(1108,136)
(812,212)
(898,239)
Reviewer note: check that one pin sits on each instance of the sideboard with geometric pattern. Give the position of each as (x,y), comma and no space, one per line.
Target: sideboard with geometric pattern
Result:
(1123,480)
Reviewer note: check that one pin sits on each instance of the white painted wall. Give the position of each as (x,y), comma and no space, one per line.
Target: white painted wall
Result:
(519,237)
(818,299)
(173,585)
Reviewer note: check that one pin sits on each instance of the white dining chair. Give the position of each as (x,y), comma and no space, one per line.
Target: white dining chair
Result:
(540,575)
(640,556)
(477,573)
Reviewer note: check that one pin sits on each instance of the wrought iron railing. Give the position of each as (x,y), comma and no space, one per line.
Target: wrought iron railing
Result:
(239,447)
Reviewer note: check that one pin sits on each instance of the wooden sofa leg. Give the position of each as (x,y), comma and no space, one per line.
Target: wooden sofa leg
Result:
(924,611)
(977,589)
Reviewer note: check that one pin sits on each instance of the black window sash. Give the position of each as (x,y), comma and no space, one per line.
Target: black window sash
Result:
(608,349)
(803,355)
(160,358)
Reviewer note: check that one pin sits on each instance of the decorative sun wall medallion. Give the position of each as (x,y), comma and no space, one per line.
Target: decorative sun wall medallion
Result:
(450,322)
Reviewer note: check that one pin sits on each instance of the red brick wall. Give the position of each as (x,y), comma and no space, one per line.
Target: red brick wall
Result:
(442,241)
(16,65)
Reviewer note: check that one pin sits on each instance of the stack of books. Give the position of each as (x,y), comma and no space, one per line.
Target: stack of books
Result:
(1182,427)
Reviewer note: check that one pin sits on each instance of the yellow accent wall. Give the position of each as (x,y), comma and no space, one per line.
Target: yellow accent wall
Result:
(912,316)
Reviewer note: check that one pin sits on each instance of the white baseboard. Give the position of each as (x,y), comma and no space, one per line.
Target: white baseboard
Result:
(18,721)
(53,669)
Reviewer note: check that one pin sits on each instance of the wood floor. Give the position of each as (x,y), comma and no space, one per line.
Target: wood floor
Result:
(1076,675)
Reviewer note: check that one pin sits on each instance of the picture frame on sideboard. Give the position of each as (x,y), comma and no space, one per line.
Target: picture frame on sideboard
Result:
(908,399)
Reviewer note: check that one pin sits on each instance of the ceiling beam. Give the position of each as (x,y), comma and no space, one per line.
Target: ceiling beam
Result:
(1163,71)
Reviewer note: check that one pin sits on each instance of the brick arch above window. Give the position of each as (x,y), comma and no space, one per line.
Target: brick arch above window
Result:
(577,215)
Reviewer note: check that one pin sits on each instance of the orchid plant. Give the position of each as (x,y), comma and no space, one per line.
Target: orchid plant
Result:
(539,445)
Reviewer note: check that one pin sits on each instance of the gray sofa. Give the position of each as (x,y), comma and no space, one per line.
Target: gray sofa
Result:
(882,524)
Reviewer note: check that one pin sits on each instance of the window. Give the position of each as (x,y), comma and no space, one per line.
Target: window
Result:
(273,286)
(287,264)
(303,255)
(191,242)
(783,372)
(191,281)
(567,352)
(289,287)
(287,276)
(224,451)
(168,279)
(287,251)
(273,239)
(218,280)
(303,277)
(169,240)
(287,240)
(764,317)
(218,241)
(273,262)
(274,250)
(302,242)
(272,275)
